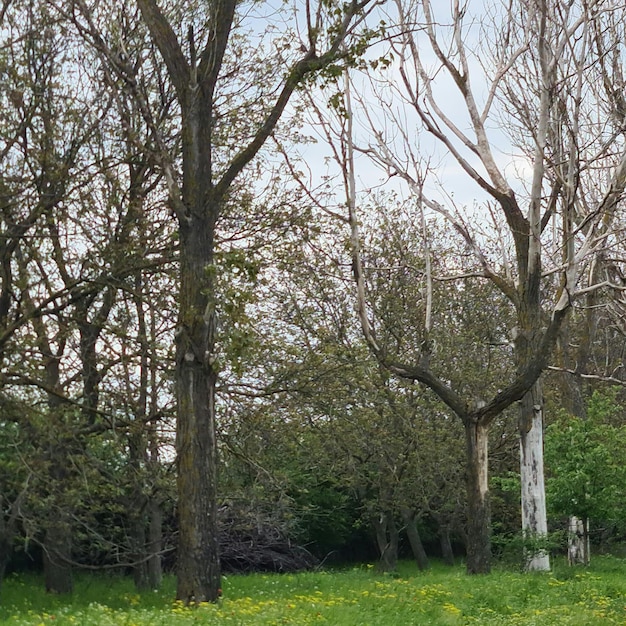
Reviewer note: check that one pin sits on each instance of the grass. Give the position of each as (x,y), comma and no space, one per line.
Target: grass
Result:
(358,596)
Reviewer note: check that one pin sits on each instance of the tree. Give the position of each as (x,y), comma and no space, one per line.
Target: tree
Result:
(213,83)
(587,474)
(72,244)
(369,432)
(41,159)
(556,51)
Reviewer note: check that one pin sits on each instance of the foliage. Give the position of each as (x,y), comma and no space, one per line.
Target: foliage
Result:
(512,548)
(441,596)
(315,439)
(587,463)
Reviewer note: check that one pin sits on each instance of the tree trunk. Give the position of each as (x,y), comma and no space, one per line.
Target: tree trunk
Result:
(578,541)
(58,537)
(155,510)
(4,561)
(417,547)
(147,571)
(478,502)
(137,500)
(196,78)
(155,545)
(586,546)
(446,545)
(144,449)
(198,557)
(7,534)
(139,555)
(6,545)
(57,551)
(534,515)
(387,541)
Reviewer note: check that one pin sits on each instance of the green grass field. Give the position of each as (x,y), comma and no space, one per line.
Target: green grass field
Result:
(356,597)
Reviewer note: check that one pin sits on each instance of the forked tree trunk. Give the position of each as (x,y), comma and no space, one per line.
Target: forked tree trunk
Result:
(533,497)
(478,502)
(197,206)
(56,448)
(417,547)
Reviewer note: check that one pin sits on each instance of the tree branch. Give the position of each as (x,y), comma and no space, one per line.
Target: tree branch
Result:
(167,43)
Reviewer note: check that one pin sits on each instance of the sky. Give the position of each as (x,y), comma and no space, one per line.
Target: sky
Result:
(380,107)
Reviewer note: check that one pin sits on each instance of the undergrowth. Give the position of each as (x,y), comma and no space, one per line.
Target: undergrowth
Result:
(357,596)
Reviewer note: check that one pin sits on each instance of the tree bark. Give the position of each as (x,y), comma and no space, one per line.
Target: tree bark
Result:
(412,532)
(155,544)
(578,541)
(479,506)
(198,561)
(533,497)
(8,529)
(58,536)
(155,501)
(387,540)
(6,546)
(446,545)
(138,541)
(57,542)
(57,551)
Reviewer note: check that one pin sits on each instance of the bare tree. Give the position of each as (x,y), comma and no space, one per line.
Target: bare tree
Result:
(532,76)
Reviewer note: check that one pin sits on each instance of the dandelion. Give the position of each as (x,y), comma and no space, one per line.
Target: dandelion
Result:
(451,608)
